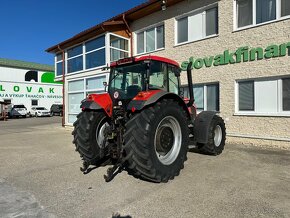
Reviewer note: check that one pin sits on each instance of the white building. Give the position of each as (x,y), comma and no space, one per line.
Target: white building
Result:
(29,84)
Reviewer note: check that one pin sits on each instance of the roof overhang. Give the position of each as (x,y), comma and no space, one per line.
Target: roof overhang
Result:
(116,23)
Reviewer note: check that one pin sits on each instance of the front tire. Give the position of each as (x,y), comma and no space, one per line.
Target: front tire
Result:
(216,137)
(88,135)
(156,142)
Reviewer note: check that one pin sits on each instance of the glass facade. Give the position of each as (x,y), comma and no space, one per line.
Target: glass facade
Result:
(79,89)
(95,53)
(92,54)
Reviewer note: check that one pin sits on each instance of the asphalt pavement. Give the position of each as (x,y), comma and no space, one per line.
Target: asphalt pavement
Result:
(40,177)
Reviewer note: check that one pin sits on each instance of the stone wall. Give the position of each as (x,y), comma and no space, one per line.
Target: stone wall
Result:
(277,33)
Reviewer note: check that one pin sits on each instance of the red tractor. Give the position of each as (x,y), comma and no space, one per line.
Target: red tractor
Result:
(143,123)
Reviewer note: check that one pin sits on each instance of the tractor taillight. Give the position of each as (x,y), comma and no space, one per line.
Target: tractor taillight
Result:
(140,94)
(89,97)
(133,109)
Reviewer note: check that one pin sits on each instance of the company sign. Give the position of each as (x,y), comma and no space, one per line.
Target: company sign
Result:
(242,54)
(35,91)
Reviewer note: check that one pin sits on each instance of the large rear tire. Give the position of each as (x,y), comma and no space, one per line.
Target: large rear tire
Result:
(156,142)
(88,135)
(216,137)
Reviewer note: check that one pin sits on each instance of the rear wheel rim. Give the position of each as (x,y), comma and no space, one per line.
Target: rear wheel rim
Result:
(218,134)
(167,140)
(100,132)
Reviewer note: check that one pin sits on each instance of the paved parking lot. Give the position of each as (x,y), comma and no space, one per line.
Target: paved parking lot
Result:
(40,177)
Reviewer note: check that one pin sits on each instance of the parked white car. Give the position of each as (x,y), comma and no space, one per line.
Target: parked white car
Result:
(39,112)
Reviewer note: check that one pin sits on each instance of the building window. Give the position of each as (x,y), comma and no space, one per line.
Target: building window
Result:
(75,59)
(7,101)
(119,47)
(198,25)
(246,96)
(285,8)
(95,85)
(206,96)
(253,12)
(286,94)
(264,97)
(150,40)
(95,53)
(79,89)
(34,102)
(58,63)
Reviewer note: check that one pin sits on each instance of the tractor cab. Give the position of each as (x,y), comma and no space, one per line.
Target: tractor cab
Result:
(131,76)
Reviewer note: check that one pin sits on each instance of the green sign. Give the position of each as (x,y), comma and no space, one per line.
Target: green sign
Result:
(28,89)
(242,54)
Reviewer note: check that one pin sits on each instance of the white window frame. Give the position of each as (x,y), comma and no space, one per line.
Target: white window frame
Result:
(57,62)
(254,23)
(129,46)
(202,11)
(155,39)
(254,112)
(107,54)
(85,53)
(67,59)
(205,85)
(205,95)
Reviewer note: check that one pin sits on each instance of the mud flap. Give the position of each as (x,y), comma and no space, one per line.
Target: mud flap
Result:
(201,126)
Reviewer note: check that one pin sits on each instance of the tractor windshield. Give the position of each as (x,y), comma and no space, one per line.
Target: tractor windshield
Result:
(127,80)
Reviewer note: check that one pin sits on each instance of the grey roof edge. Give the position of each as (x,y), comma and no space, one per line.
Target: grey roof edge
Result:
(25,65)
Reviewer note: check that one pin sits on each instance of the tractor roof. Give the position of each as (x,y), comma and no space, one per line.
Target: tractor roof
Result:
(142,58)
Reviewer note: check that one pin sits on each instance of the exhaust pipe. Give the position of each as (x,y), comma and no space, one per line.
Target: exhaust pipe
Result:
(190,86)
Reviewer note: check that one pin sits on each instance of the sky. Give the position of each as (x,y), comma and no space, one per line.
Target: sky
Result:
(29,27)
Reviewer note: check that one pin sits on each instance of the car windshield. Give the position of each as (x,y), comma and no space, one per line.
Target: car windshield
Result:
(41,108)
(127,80)
(19,106)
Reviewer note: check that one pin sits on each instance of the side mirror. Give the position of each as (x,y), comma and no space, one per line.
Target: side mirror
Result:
(177,72)
(105,84)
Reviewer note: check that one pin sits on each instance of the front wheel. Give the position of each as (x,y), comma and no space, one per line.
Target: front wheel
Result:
(156,141)
(216,137)
(88,135)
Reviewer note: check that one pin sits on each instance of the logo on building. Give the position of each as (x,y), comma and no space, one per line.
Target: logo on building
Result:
(242,54)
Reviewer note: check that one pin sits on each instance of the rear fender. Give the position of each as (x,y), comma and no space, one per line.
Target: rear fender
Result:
(201,126)
(95,102)
(144,99)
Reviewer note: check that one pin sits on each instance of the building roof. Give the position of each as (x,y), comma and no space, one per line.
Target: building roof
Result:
(25,65)
(122,19)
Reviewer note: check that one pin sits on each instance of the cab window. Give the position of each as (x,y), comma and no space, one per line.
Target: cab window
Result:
(172,79)
(158,78)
